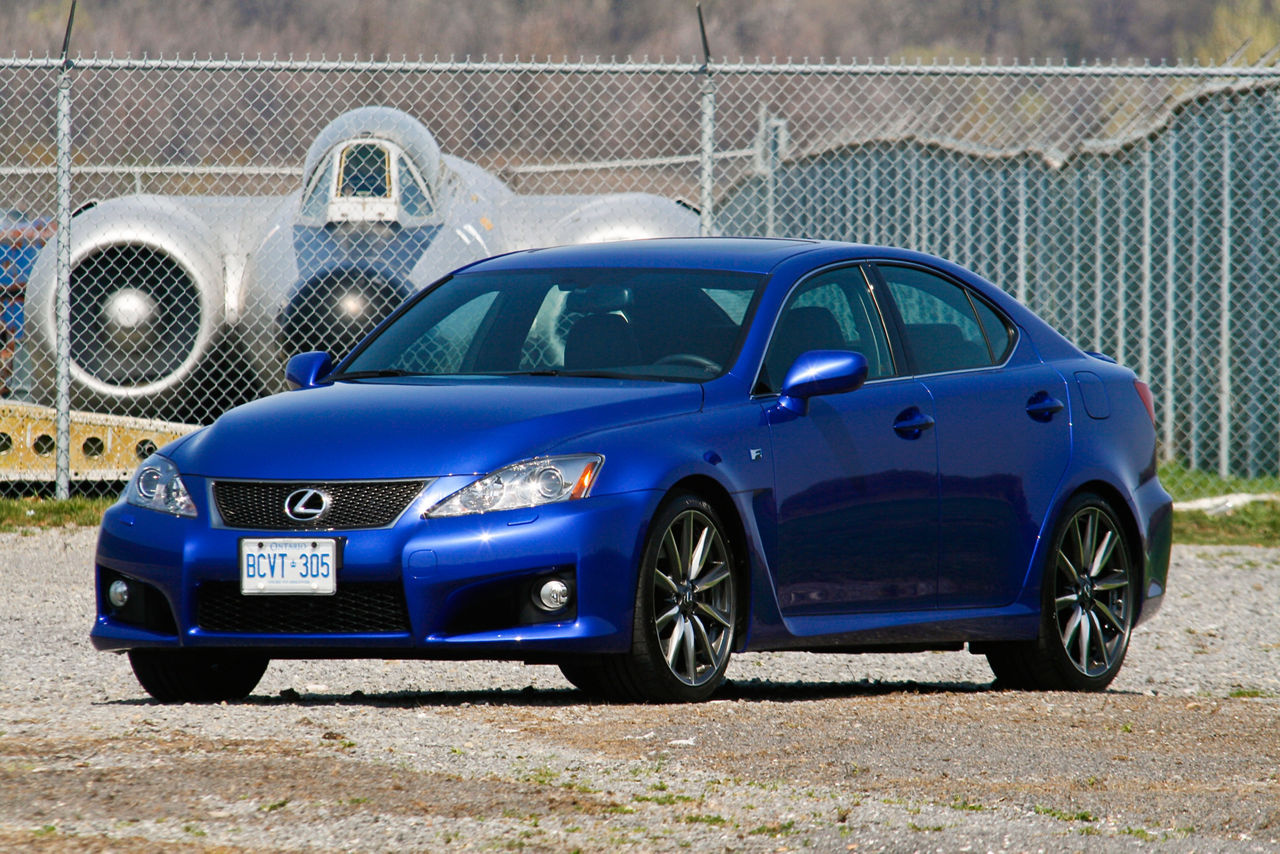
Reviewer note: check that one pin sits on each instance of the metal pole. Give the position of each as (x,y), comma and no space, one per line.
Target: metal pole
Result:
(871,197)
(1075,258)
(1122,271)
(706,201)
(770,177)
(62,317)
(1224,310)
(952,213)
(1144,364)
(1098,274)
(1194,385)
(1022,235)
(773,143)
(1170,293)
(912,196)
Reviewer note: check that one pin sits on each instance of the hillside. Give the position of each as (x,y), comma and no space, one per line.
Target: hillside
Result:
(1075,30)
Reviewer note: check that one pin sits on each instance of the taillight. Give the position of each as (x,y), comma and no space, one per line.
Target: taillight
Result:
(1144,392)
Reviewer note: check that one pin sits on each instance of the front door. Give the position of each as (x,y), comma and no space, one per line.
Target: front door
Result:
(856,476)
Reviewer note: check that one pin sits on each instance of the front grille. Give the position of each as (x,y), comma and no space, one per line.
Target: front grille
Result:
(260,505)
(370,607)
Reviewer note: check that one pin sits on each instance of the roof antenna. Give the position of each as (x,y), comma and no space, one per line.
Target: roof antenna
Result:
(702,28)
(707,146)
(66,40)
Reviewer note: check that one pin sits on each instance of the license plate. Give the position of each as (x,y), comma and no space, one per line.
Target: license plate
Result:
(293,565)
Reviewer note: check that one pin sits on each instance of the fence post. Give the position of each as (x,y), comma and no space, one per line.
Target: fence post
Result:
(1076,244)
(1021,241)
(1120,349)
(1144,301)
(1224,308)
(62,320)
(1170,293)
(1099,274)
(707,161)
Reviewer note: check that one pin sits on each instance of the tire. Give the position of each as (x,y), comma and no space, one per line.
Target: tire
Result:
(686,613)
(197,676)
(1087,602)
(591,677)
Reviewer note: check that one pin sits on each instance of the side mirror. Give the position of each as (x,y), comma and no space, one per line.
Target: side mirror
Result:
(820,372)
(304,369)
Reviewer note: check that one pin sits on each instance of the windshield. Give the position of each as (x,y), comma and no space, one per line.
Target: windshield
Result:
(645,324)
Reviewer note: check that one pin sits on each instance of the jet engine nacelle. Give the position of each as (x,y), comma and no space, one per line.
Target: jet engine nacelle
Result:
(150,281)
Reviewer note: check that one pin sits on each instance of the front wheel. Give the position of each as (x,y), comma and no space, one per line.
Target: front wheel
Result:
(686,613)
(197,676)
(1087,607)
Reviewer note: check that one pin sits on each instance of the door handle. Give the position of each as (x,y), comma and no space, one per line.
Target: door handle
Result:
(1042,406)
(911,423)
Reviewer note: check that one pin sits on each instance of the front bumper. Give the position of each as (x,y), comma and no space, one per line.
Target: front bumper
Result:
(440,588)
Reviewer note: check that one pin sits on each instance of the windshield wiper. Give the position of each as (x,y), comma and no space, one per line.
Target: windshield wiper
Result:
(365,375)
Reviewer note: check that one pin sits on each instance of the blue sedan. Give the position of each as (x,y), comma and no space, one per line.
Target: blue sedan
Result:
(635,459)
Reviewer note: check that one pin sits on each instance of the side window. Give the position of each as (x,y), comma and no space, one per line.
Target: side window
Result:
(832,311)
(317,201)
(942,330)
(413,197)
(999,331)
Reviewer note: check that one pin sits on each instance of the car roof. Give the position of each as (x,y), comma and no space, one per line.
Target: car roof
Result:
(740,254)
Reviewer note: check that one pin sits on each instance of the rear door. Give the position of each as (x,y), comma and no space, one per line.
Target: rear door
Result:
(1003,433)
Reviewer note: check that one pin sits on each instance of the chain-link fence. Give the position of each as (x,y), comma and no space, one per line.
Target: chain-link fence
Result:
(229,213)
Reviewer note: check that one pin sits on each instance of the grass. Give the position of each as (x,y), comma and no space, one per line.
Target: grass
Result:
(1063,815)
(1256,524)
(966,805)
(776,829)
(926,828)
(704,819)
(1185,483)
(19,513)
(663,800)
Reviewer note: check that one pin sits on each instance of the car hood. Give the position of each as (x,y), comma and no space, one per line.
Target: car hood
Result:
(418,428)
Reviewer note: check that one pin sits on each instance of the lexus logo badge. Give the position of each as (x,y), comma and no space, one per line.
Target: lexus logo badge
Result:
(307,505)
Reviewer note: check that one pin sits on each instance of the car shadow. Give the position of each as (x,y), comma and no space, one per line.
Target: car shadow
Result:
(750,690)
(735,690)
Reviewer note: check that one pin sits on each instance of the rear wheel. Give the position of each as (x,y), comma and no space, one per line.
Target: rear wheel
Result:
(685,615)
(197,676)
(1087,607)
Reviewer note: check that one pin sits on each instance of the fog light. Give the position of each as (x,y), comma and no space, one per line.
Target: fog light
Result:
(553,595)
(118,593)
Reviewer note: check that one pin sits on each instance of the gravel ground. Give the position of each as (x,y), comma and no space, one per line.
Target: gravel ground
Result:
(829,753)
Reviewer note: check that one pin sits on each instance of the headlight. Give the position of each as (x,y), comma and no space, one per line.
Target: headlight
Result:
(157,486)
(545,480)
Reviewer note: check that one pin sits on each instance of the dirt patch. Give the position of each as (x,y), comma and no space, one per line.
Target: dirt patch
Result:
(1133,760)
(176,777)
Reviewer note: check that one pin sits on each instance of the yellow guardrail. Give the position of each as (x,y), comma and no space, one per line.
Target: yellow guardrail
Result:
(103,447)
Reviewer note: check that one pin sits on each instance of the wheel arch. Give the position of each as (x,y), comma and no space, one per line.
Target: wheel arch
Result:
(1128,520)
(715,494)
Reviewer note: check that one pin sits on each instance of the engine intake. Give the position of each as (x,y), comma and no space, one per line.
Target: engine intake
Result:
(135,316)
(334,311)
(147,306)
